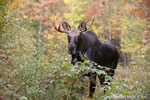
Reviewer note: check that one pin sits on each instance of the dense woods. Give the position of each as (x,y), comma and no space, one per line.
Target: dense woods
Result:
(34,59)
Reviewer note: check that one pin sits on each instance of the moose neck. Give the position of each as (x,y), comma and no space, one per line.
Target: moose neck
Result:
(88,40)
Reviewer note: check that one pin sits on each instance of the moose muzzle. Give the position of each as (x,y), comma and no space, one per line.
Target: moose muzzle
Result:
(72,49)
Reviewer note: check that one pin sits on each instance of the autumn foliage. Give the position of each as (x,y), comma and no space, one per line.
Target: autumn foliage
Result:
(35,65)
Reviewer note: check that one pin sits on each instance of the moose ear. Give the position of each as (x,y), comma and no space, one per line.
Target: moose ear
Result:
(82,26)
(66,26)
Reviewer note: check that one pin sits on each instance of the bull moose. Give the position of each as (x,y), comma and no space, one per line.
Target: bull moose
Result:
(81,41)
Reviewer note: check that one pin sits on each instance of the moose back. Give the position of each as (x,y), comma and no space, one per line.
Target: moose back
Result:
(86,42)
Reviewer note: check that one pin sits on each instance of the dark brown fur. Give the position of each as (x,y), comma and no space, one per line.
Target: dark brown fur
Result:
(104,54)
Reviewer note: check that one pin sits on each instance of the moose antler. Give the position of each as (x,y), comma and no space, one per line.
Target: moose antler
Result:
(57,27)
(91,23)
(85,29)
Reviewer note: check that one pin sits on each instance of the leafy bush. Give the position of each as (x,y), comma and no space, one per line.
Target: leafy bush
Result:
(42,71)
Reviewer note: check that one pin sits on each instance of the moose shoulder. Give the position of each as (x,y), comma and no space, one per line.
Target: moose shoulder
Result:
(86,42)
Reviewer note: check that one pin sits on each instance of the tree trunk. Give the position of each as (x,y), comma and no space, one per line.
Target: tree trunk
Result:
(107,22)
(40,31)
(126,59)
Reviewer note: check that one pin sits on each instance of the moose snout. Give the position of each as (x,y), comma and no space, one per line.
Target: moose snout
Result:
(72,49)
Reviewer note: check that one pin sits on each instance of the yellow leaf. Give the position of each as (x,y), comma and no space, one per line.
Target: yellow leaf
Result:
(25,17)
(68,2)
(50,36)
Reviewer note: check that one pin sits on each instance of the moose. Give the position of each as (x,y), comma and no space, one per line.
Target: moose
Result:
(81,42)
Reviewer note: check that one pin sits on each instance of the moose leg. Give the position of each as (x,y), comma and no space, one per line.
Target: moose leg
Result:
(111,72)
(113,67)
(102,81)
(92,85)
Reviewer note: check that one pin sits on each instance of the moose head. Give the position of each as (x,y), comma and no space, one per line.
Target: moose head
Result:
(73,34)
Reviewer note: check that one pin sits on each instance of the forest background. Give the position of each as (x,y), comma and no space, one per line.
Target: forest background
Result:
(34,63)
